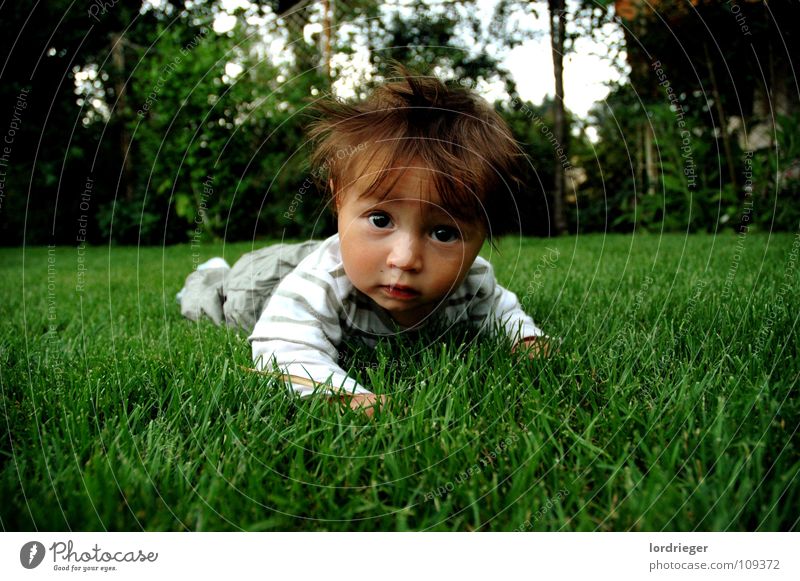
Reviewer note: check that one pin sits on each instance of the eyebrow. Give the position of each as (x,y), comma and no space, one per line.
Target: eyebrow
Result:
(385,195)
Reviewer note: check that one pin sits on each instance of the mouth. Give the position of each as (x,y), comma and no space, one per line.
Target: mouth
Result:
(400,291)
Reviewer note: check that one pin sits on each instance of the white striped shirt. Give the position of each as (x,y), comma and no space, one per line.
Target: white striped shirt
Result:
(315,307)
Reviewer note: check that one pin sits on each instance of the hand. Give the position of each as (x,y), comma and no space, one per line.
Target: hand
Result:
(367,402)
(533,347)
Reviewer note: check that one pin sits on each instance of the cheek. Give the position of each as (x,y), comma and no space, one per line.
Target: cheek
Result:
(454,261)
(453,268)
(444,273)
(362,259)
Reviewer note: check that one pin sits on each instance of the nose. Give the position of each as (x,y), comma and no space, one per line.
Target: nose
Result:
(405,253)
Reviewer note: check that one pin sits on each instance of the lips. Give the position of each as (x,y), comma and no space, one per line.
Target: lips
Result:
(400,292)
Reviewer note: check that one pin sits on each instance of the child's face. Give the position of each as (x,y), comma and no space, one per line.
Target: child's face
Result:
(405,251)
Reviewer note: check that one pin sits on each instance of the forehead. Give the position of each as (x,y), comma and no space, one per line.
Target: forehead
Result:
(410,180)
(408,186)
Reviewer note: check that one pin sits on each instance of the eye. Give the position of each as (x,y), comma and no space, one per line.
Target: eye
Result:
(445,234)
(380,219)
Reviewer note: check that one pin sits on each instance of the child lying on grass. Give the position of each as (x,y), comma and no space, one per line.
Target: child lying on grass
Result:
(416,173)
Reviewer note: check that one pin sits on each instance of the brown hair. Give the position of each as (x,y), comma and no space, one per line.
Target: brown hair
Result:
(419,120)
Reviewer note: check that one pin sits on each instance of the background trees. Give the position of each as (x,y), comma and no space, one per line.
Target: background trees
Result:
(152,104)
(710,116)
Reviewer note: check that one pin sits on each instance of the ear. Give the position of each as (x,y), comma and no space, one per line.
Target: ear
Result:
(334,196)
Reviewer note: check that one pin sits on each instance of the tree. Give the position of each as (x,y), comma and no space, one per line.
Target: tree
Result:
(558,21)
(727,67)
(62,143)
(565,26)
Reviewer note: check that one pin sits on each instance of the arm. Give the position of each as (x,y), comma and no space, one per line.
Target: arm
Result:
(367,402)
(497,305)
(299,331)
(527,337)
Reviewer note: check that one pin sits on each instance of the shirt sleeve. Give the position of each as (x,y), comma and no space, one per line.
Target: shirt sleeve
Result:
(300,330)
(494,304)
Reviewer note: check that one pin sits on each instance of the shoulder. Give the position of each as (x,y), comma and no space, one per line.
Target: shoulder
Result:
(480,281)
(321,270)
(325,257)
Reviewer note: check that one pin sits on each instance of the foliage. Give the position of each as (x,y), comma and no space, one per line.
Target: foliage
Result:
(532,126)
(776,178)
(691,191)
(215,156)
(608,200)
(686,191)
(54,153)
(247,133)
(715,121)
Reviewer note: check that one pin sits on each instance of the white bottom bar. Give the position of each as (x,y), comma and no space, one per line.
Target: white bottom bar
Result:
(396,556)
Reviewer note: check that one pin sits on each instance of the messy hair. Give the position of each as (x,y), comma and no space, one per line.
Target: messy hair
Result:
(418,121)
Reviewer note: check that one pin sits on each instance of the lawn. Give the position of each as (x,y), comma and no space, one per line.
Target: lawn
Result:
(671,405)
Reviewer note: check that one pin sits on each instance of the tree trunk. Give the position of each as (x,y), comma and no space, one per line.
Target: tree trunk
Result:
(651,168)
(558,23)
(121,116)
(327,23)
(723,121)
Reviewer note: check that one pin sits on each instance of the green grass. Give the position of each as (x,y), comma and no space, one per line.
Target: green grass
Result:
(671,405)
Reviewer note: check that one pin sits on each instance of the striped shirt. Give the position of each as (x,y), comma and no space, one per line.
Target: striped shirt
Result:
(315,307)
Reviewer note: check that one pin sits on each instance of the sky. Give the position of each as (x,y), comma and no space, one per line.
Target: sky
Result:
(587,69)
